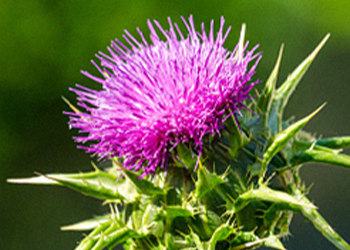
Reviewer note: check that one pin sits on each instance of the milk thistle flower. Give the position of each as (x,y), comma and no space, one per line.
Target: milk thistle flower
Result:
(156,95)
(166,103)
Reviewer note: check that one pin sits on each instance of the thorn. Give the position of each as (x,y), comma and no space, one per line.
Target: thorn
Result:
(95,167)
(241,39)
(319,47)
(118,164)
(39,174)
(117,211)
(270,178)
(72,107)
(200,164)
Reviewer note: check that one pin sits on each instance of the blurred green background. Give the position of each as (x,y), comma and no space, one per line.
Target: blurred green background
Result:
(45,44)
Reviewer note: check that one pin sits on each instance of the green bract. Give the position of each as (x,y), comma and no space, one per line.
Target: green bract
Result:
(242,195)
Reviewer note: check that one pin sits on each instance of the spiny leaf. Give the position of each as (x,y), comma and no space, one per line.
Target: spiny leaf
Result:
(263,193)
(277,216)
(89,241)
(245,240)
(196,240)
(287,88)
(112,237)
(271,215)
(206,181)
(205,224)
(322,156)
(235,136)
(142,185)
(98,184)
(192,239)
(321,224)
(221,233)
(135,220)
(108,234)
(248,240)
(177,211)
(185,155)
(273,242)
(266,97)
(150,225)
(283,223)
(335,142)
(281,140)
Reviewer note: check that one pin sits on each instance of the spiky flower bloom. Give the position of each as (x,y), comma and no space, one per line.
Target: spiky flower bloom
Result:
(159,94)
(169,100)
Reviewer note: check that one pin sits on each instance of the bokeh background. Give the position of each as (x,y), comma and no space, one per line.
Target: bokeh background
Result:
(45,44)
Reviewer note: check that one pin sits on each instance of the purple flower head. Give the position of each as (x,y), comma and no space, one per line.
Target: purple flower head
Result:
(160,93)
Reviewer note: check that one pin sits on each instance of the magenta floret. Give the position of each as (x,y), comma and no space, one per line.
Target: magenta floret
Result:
(158,94)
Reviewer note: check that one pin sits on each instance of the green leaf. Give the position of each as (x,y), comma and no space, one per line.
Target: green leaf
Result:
(177,211)
(273,242)
(284,92)
(112,238)
(283,223)
(89,241)
(136,216)
(98,184)
(197,241)
(142,185)
(107,235)
(321,156)
(150,225)
(266,97)
(206,181)
(193,239)
(321,224)
(185,155)
(278,217)
(335,142)
(271,215)
(245,240)
(221,233)
(248,240)
(235,137)
(282,138)
(263,193)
